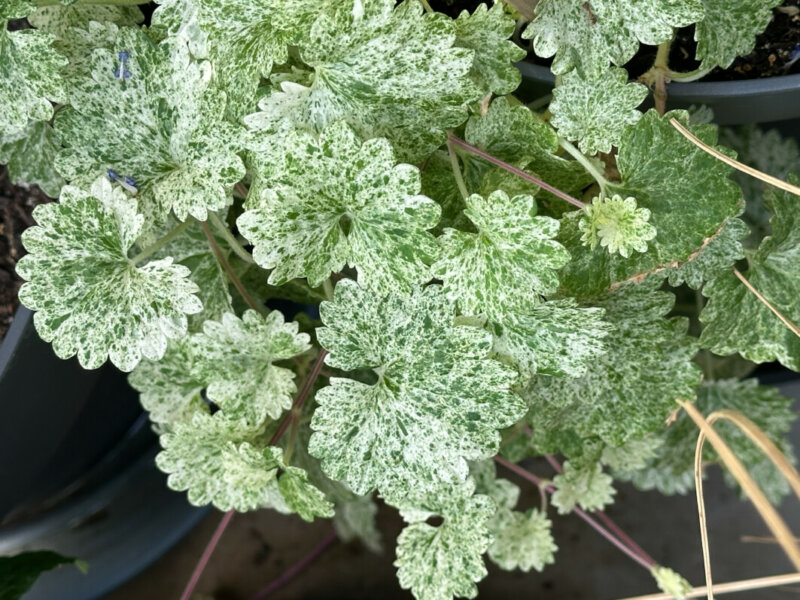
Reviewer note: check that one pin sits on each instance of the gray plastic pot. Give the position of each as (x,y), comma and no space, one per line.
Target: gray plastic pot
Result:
(763,100)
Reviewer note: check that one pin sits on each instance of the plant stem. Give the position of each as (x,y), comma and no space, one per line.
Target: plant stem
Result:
(615,529)
(206,556)
(226,266)
(586,163)
(519,172)
(161,242)
(661,66)
(540,102)
(525,474)
(234,244)
(459,177)
(301,397)
(296,568)
(426,6)
(327,287)
(689,75)
(730,587)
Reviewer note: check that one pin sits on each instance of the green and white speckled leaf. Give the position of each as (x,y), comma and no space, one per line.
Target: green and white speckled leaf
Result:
(586,486)
(438,401)
(214,460)
(633,454)
(508,264)
(670,582)
(595,112)
(60,19)
(556,338)
(487,31)
(590,35)
(672,469)
(29,154)
(301,497)
(515,135)
(14,9)
(522,540)
(687,192)
(162,126)
(504,493)
(438,563)
(617,224)
(236,360)
(29,76)
(322,203)
(766,151)
(729,29)
(389,72)
(91,299)
(170,389)
(735,319)
(242,38)
(716,257)
(631,389)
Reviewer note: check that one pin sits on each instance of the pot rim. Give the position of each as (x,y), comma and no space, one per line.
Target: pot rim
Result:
(677,90)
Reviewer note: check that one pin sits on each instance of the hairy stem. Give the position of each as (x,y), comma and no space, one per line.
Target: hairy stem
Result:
(226,266)
(586,163)
(512,169)
(206,556)
(297,406)
(276,584)
(459,177)
(161,242)
(233,243)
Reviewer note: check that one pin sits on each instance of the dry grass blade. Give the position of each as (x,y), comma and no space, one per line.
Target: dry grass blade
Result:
(771,517)
(778,183)
(730,587)
(794,328)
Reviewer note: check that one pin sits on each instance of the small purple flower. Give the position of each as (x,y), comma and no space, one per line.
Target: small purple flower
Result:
(123,56)
(121,73)
(112,175)
(130,181)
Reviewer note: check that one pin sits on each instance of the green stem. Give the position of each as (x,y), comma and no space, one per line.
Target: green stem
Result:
(540,102)
(689,75)
(327,287)
(161,242)
(459,177)
(234,244)
(426,6)
(586,163)
(662,55)
(226,266)
(40,3)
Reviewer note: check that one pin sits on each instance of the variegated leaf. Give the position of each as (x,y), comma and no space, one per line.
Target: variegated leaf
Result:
(29,154)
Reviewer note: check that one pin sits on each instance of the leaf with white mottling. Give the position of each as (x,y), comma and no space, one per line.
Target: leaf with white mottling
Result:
(319,204)
(487,32)
(716,257)
(437,563)
(162,126)
(632,455)
(589,35)
(735,319)
(595,112)
(388,71)
(438,401)
(631,389)
(522,540)
(686,190)
(672,469)
(301,497)
(170,389)
(29,154)
(236,360)
(729,29)
(617,224)
(508,264)
(29,76)
(243,38)
(91,299)
(504,493)
(60,19)
(516,135)
(14,9)
(670,582)
(557,337)
(587,487)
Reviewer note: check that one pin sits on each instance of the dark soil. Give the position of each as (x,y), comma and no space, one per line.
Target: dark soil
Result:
(16,206)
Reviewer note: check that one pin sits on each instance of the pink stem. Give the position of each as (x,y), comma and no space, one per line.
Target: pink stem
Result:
(295,568)
(301,398)
(524,473)
(518,172)
(201,564)
(616,529)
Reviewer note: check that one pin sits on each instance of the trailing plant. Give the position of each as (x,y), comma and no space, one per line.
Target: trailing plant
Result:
(473,279)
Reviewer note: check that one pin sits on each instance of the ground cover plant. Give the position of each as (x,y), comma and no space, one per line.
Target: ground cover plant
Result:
(475,281)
